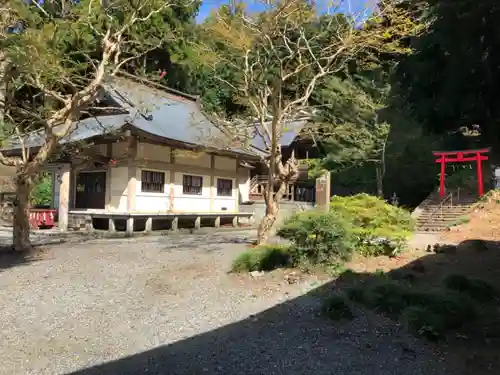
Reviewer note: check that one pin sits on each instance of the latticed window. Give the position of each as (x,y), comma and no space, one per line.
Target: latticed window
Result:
(152,181)
(192,185)
(224,187)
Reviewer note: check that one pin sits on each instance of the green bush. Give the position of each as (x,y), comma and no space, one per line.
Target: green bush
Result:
(317,238)
(430,312)
(336,308)
(479,290)
(262,258)
(378,228)
(356,293)
(425,323)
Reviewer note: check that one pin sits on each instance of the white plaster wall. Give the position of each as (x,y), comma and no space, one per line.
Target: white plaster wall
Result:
(225,163)
(191,203)
(244,184)
(221,202)
(152,202)
(118,186)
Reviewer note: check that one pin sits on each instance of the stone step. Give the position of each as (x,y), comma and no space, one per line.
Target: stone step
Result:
(438,217)
(457,206)
(439,214)
(455,212)
(449,212)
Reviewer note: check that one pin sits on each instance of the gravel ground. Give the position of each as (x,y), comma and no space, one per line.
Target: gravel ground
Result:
(165,305)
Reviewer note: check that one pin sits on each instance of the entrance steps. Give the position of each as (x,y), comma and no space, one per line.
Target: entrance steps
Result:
(436,214)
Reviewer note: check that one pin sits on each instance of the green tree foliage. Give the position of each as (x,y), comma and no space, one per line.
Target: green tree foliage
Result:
(56,55)
(452,79)
(42,192)
(273,61)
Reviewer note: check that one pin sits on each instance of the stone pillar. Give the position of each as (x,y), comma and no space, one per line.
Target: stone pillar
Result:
(323,191)
(64,180)
(175,223)
(129,230)
(149,225)
(111,225)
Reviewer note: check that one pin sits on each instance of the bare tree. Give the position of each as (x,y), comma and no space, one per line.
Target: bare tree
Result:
(62,84)
(279,57)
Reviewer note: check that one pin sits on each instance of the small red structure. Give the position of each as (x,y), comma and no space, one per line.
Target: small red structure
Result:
(42,218)
(465,156)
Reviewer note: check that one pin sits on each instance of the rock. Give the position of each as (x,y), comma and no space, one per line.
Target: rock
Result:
(292,278)
(257,273)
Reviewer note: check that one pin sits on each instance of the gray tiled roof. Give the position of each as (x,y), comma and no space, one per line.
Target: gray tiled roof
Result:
(156,112)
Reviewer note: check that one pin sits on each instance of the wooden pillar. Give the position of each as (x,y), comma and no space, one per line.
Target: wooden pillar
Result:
(480,181)
(132,173)
(109,171)
(213,189)
(442,175)
(172,180)
(64,178)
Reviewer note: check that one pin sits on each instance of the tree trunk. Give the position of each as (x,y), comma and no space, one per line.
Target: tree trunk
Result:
(3,88)
(21,234)
(267,222)
(272,209)
(380,181)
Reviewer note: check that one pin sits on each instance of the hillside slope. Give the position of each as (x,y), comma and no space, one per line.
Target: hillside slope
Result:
(483,222)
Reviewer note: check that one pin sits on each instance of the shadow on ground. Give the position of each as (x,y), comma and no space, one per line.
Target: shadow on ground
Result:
(293,338)
(10,258)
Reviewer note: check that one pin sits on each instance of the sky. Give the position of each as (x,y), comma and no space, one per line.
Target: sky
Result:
(351,6)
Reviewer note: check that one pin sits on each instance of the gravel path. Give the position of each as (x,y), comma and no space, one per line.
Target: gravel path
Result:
(165,305)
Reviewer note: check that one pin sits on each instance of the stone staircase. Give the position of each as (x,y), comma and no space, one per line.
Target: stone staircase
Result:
(436,214)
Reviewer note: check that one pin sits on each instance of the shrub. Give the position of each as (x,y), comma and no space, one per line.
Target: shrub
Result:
(378,227)
(336,308)
(430,312)
(479,290)
(317,238)
(425,323)
(356,293)
(262,258)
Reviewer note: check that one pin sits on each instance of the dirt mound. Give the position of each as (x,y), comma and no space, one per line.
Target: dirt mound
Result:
(483,222)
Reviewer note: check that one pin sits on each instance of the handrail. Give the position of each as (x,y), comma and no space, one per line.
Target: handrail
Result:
(440,208)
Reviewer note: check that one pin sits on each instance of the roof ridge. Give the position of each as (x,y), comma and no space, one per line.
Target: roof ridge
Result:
(159,86)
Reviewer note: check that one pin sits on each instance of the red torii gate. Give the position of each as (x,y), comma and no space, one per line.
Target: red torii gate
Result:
(444,157)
